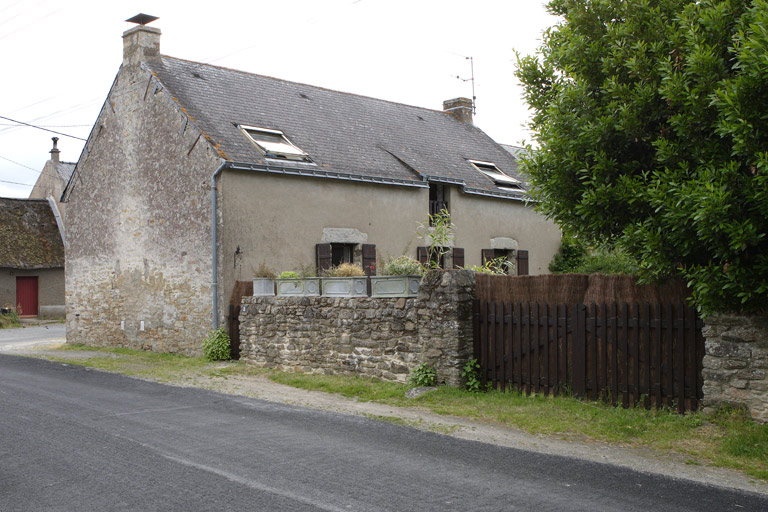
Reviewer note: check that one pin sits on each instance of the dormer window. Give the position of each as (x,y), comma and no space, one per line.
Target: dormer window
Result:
(274,144)
(501,180)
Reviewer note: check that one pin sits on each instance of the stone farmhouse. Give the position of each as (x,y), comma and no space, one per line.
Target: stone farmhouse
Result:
(195,175)
(31,259)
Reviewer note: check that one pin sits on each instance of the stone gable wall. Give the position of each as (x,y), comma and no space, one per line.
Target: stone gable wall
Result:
(376,337)
(736,363)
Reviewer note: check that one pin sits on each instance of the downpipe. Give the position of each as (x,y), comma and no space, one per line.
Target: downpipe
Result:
(214,251)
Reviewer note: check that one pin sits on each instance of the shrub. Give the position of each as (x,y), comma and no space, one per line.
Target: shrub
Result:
(470,372)
(217,345)
(10,319)
(402,266)
(289,274)
(423,376)
(264,271)
(345,270)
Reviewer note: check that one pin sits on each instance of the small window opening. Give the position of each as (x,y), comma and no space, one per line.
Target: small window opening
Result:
(342,253)
(503,181)
(438,199)
(274,144)
(500,259)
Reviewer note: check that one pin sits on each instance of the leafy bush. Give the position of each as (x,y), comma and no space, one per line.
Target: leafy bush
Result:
(289,274)
(574,257)
(216,347)
(438,232)
(470,372)
(345,270)
(650,120)
(402,266)
(496,266)
(423,376)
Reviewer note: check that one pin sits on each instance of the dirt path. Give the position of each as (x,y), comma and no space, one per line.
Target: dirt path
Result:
(257,385)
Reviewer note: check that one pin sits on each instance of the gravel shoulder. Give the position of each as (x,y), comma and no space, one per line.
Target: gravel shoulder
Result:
(256,385)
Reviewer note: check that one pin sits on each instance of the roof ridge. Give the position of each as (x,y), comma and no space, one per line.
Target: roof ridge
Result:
(306,85)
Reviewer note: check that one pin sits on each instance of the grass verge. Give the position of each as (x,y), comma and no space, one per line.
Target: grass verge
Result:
(726,439)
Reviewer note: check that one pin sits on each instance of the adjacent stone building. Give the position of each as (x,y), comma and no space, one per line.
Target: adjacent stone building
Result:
(31,259)
(52,181)
(194,176)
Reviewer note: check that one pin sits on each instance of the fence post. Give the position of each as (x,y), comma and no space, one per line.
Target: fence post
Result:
(579,352)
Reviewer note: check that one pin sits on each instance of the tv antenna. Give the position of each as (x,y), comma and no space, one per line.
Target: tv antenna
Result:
(472,79)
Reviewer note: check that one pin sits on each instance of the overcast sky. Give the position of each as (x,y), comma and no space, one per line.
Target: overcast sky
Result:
(59,58)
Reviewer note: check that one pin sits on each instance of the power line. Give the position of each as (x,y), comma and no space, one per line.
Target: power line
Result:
(52,125)
(41,128)
(22,165)
(14,183)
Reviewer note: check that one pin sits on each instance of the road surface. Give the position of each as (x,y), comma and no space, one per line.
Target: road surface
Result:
(73,438)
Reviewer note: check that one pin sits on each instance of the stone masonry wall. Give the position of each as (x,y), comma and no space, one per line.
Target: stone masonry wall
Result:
(736,363)
(377,337)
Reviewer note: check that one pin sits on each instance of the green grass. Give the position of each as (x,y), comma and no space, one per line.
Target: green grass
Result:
(726,439)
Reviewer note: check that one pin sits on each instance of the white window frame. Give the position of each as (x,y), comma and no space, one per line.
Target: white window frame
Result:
(290,151)
(499,178)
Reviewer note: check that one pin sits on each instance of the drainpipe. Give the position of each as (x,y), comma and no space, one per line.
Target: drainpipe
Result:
(214,282)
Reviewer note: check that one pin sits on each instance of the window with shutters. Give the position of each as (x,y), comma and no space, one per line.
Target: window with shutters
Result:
(334,254)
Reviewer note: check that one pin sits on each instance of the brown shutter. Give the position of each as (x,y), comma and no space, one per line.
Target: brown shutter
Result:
(522,263)
(458,257)
(369,259)
(422,254)
(486,255)
(324,261)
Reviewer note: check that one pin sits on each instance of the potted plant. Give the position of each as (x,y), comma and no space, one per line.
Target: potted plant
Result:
(345,280)
(297,284)
(401,278)
(263,281)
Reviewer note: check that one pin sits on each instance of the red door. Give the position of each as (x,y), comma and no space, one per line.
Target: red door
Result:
(26,296)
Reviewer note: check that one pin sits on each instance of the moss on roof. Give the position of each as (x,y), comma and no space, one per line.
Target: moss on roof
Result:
(29,235)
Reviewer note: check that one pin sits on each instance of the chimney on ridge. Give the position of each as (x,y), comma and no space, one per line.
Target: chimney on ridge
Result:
(140,43)
(55,151)
(460,108)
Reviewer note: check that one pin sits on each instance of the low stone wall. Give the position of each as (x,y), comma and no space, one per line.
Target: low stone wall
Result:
(736,363)
(383,338)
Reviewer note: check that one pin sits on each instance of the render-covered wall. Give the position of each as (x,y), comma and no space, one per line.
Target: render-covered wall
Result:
(480,219)
(138,269)
(50,290)
(278,219)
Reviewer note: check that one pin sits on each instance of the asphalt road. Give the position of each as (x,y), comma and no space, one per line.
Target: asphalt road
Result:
(73,438)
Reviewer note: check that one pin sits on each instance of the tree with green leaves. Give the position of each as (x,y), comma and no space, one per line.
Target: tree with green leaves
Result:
(652,123)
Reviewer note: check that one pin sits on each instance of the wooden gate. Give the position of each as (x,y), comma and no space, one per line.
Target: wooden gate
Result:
(26,295)
(625,353)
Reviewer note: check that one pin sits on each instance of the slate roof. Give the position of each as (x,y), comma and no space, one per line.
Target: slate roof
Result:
(65,170)
(341,132)
(29,235)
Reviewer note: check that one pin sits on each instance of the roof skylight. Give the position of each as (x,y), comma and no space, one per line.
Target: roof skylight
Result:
(274,144)
(501,180)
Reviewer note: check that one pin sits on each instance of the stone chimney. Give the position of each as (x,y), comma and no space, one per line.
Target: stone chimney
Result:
(140,43)
(55,151)
(460,108)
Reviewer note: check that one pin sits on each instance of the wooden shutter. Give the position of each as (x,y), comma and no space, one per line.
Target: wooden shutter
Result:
(369,259)
(486,255)
(458,257)
(324,261)
(522,263)
(422,254)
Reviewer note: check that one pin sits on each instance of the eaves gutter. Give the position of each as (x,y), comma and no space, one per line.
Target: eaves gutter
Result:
(312,172)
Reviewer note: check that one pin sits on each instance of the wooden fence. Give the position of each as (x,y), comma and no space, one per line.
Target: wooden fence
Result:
(629,354)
